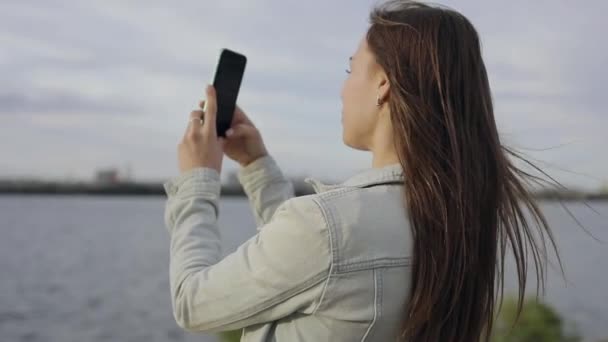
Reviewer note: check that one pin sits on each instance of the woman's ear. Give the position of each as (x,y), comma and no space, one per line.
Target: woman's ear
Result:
(383,88)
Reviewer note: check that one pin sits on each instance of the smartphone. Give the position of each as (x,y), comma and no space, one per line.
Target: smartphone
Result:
(227,82)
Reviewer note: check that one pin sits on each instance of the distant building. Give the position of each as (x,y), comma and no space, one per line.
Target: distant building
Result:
(107,176)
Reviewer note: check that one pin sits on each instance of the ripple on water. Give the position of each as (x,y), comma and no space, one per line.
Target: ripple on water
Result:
(175,334)
(11,316)
(30,336)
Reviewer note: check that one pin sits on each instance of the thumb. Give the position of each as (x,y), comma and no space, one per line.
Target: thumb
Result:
(209,125)
(241,131)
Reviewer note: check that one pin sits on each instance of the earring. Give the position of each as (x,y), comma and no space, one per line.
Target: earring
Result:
(378,103)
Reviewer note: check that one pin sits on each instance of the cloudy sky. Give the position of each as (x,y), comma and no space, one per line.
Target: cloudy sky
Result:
(95,84)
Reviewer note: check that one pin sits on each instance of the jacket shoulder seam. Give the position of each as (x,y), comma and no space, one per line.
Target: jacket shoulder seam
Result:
(331,234)
(373,322)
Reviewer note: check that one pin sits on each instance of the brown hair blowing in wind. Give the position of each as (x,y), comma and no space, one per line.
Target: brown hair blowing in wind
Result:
(465,199)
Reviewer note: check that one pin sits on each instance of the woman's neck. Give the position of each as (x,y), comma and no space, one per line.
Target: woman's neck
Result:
(380,161)
(383,145)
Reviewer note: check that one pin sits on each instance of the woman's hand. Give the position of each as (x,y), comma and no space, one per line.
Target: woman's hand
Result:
(200,146)
(243,142)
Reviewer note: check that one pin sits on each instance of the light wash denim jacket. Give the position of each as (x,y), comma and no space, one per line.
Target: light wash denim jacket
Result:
(332,266)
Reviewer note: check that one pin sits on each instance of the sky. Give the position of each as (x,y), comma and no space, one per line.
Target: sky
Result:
(99,84)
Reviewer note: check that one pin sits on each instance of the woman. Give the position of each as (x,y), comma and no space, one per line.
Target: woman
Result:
(410,249)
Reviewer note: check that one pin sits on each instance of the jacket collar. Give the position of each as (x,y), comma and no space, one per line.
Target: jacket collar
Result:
(392,173)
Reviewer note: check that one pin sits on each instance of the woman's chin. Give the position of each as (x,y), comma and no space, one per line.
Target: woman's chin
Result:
(352,143)
(344,139)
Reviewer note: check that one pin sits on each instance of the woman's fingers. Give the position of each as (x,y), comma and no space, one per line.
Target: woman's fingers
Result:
(241,131)
(196,114)
(239,115)
(240,118)
(194,124)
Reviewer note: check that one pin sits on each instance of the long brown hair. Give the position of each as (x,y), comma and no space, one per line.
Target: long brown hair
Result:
(464,197)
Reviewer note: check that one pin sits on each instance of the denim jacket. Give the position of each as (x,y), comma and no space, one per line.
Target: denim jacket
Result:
(331,266)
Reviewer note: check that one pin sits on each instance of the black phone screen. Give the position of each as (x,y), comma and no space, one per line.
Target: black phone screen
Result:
(227,82)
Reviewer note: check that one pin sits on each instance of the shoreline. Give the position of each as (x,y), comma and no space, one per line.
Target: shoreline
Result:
(232,190)
(113,189)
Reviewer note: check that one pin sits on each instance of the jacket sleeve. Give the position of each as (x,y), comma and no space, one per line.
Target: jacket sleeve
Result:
(266,187)
(278,271)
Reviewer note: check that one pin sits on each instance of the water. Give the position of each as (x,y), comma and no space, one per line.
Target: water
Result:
(80,268)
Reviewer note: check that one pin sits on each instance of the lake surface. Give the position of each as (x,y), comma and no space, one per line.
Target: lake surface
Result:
(80,268)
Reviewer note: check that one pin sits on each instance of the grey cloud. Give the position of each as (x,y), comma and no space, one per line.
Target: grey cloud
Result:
(60,102)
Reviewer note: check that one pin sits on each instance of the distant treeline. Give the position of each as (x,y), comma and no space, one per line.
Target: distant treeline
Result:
(121,188)
(156,189)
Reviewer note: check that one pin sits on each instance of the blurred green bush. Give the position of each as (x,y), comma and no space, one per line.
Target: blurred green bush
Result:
(538,322)
(231,336)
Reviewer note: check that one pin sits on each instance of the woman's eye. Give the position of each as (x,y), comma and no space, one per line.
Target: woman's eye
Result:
(347,71)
